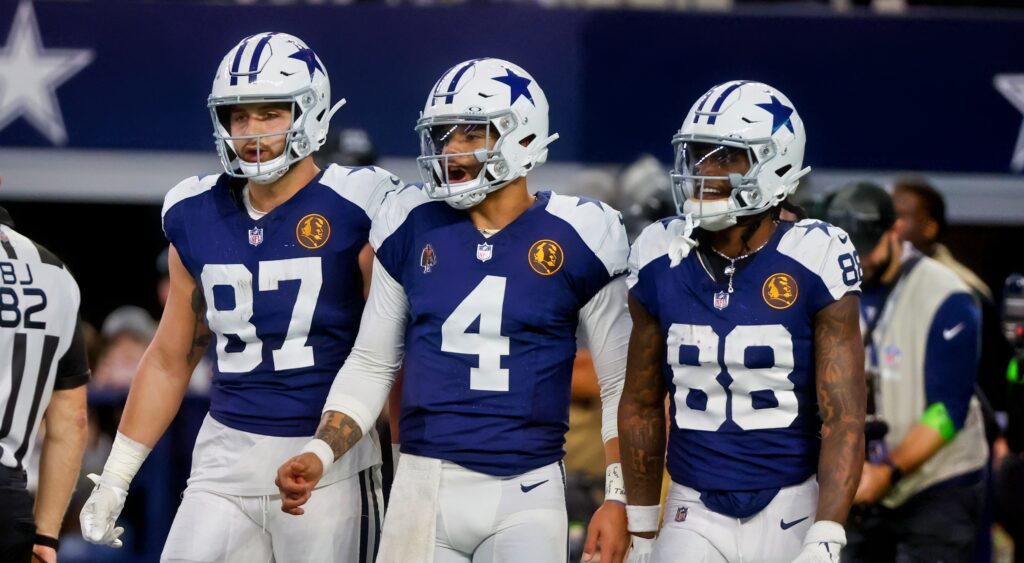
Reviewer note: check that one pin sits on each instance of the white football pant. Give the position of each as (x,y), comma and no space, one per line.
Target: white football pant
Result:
(341,523)
(695,534)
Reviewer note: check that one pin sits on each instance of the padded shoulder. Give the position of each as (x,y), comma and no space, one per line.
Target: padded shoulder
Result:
(364,186)
(598,224)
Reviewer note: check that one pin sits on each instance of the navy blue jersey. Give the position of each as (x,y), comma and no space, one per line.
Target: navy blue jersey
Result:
(740,367)
(283,292)
(491,336)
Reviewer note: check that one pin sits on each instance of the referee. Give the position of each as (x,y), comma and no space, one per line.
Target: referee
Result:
(43,371)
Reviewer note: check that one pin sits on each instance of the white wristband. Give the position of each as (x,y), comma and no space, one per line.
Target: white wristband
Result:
(322,450)
(125,459)
(642,518)
(614,486)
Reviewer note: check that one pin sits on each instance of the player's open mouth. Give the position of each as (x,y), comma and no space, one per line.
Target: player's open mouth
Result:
(250,154)
(457,175)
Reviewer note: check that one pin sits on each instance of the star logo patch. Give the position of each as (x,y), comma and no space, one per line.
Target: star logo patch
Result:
(306,55)
(518,86)
(781,114)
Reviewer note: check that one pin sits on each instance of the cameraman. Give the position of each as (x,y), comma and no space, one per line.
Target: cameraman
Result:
(921,492)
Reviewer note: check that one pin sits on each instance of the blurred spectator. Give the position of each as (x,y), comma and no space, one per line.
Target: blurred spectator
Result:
(593,183)
(349,147)
(126,331)
(922,489)
(645,194)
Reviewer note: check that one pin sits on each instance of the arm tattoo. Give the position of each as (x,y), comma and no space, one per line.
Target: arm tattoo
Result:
(642,410)
(842,397)
(200,332)
(339,431)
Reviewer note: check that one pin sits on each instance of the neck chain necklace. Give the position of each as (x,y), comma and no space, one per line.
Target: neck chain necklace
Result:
(730,270)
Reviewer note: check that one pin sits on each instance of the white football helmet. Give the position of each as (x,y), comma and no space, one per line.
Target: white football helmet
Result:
(738,116)
(503,99)
(272,67)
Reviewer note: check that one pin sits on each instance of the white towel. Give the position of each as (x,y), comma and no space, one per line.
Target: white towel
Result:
(410,525)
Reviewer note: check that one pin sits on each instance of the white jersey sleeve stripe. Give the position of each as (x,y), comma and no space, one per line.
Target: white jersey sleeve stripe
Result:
(598,224)
(366,187)
(830,256)
(394,210)
(189,187)
(652,243)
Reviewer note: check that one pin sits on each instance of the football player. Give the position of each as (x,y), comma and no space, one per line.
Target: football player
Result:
(750,325)
(265,259)
(482,285)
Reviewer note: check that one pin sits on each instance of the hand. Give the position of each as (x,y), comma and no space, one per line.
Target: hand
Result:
(99,515)
(641,550)
(823,542)
(296,479)
(607,533)
(874,484)
(43,553)
(819,553)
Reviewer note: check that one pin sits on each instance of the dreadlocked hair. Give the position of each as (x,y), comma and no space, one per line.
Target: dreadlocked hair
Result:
(791,207)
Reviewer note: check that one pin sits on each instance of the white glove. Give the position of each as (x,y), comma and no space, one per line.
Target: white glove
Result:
(99,515)
(822,543)
(641,550)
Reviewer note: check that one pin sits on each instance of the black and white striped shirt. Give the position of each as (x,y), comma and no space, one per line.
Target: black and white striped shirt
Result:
(41,345)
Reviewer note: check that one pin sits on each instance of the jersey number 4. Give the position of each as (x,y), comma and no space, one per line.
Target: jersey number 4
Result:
(294,353)
(485,302)
(698,384)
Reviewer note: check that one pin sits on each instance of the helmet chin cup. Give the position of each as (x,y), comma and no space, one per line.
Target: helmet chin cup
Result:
(711,215)
(466,200)
(717,222)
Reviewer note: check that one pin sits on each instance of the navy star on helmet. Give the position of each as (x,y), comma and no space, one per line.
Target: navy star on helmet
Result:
(499,96)
(272,67)
(747,116)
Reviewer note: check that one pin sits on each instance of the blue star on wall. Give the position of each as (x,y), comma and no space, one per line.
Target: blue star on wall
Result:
(815,226)
(517,86)
(781,114)
(585,200)
(307,56)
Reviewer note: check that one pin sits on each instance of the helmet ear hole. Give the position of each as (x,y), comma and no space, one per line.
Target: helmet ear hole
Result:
(224,117)
(527,140)
(780,172)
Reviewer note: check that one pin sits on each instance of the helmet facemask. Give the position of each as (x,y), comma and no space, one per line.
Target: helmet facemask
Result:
(297,143)
(446,179)
(733,189)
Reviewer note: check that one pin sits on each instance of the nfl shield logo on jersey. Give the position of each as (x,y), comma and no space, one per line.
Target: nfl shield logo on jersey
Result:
(255,236)
(484,251)
(681,514)
(721,300)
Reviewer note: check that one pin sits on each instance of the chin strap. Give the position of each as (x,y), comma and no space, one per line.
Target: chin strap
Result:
(683,242)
